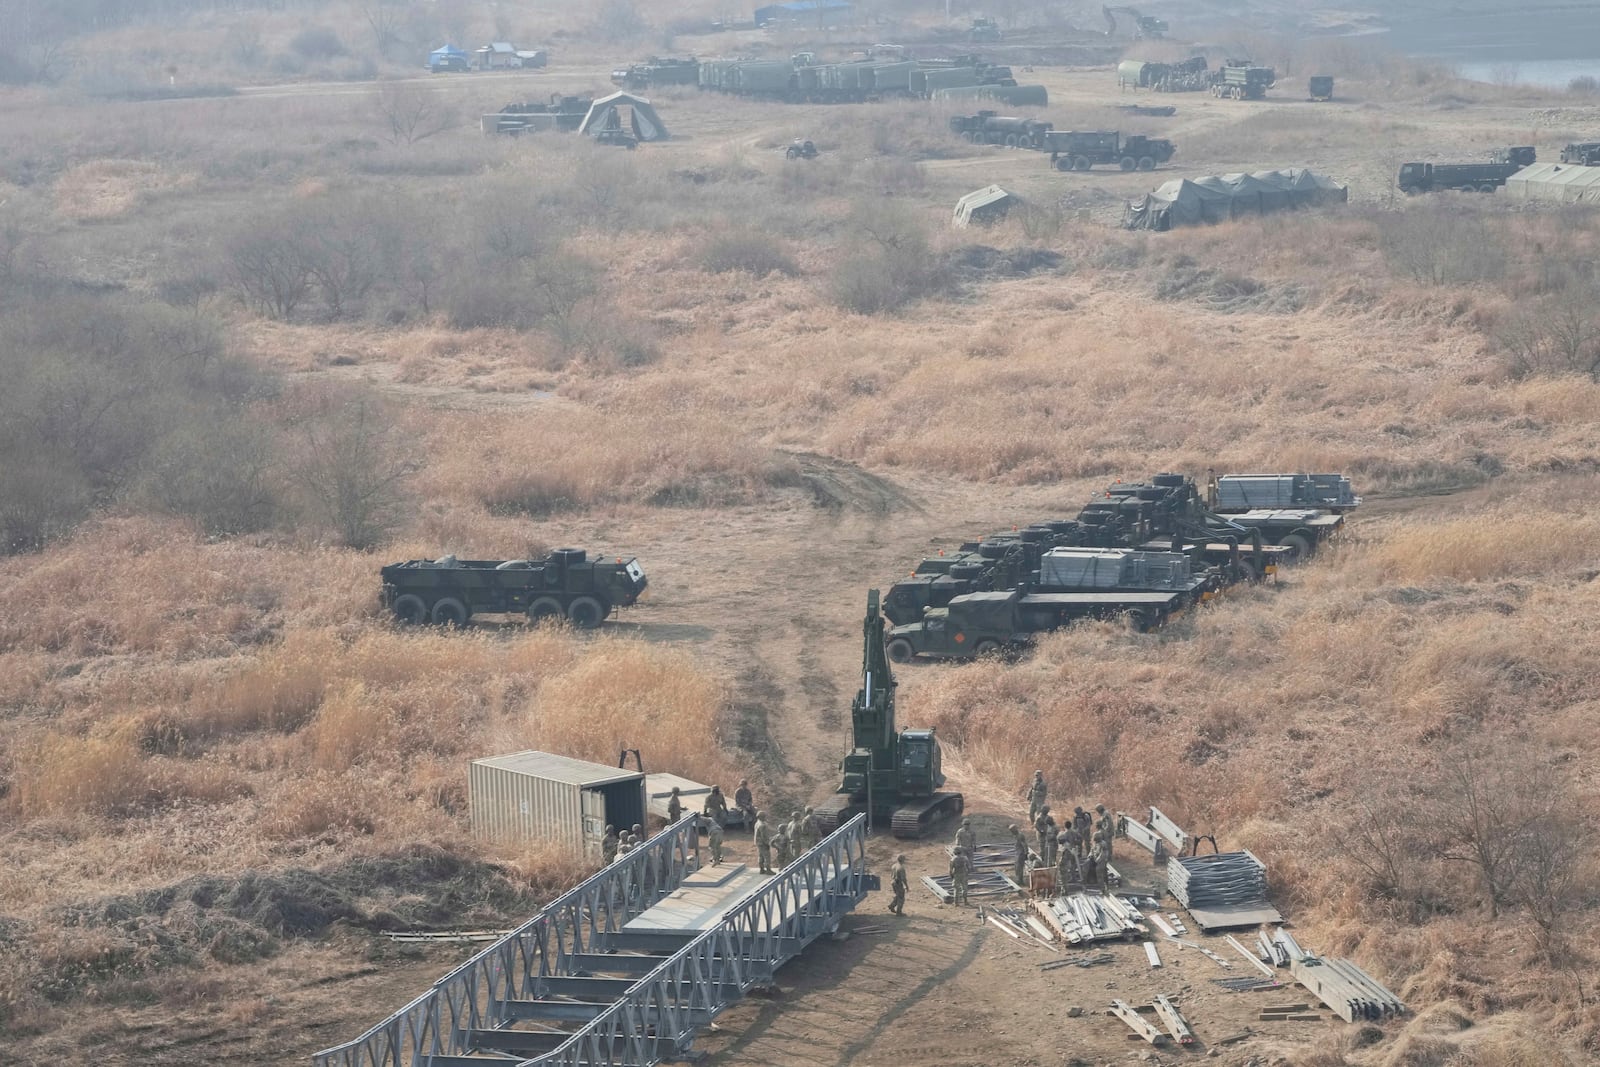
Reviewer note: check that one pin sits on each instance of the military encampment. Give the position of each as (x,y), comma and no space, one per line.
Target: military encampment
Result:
(1219,198)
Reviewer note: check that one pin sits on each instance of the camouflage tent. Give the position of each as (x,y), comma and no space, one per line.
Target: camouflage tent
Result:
(642,118)
(1567,183)
(983,206)
(1217,198)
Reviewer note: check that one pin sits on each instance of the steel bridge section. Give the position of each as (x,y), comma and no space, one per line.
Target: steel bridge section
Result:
(660,1009)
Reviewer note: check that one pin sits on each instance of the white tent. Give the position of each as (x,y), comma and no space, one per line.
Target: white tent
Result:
(1562,182)
(643,120)
(983,205)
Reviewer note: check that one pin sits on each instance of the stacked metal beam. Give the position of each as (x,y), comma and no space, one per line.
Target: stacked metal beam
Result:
(1226,879)
(1345,988)
(1084,917)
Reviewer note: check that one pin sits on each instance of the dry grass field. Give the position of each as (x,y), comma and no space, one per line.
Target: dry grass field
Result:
(255,345)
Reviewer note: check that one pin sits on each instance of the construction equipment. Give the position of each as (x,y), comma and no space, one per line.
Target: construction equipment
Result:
(1080,150)
(1319,87)
(984,29)
(894,777)
(1469,177)
(566,583)
(1144,26)
(1239,79)
(988,127)
(800,149)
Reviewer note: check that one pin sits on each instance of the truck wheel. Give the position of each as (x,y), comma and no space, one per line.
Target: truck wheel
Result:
(448,611)
(1486,187)
(1299,545)
(410,610)
(1024,142)
(900,650)
(1011,140)
(544,609)
(1147,163)
(1128,163)
(1064,164)
(1081,163)
(987,647)
(586,613)
(1139,620)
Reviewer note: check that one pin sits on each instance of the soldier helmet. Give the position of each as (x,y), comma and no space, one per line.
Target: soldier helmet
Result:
(966,822)
(610,829)
(1012,828)
(716,789)
(810,810)
(900,857)
(1038,774)
(637,828)
(674,790)
(1078,810)
(1101,808)
(796,813)
(1045,810)
(761,815)
(744,781)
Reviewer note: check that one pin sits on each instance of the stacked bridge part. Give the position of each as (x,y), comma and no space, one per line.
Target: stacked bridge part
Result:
(1222,891)
(626,967)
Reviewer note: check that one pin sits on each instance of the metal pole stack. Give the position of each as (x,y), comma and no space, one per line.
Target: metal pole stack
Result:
(1226,879)
(1349,991)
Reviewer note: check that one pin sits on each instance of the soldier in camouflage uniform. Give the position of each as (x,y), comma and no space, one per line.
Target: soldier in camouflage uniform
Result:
(1106,829)
(965,838)
(1082,823)
(810,830)
(1102,865)
(1037,794)
(716,806)
(1020,864)
(898,883)
(960,867)
(608,846)
(714,839)
(1067,868)
(1041,826)
(782,846)
(674,806)
(763,836)
(746,803)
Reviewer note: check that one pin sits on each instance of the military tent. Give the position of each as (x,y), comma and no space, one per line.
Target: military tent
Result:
(1217,198)
(982,206)
(1561,182)
(642,118)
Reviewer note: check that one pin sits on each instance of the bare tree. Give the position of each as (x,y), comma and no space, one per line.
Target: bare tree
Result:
(1486,808)
(384,18)
(1559,334)
(411,113)
(269,268)
(353,469)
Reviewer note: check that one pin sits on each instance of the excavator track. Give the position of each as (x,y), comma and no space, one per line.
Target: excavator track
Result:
(915,820)
(836,811)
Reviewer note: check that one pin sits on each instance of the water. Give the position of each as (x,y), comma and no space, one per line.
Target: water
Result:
(1524,45)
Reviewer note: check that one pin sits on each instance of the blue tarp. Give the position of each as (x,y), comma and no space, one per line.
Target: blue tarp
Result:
(798,8)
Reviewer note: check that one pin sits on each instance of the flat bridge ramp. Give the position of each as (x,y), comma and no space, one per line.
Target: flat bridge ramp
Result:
(625,968)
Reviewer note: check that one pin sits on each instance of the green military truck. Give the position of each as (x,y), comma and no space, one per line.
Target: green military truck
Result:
(1082,149)
(565,584)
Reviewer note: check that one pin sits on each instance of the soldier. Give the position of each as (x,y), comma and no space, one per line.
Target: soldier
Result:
(608,846)
(1037,792)
(898,883)
(1067,871)
(763,836)
(674,807)
(1041,826)
(716,806)
(1072,841)
(1102,864)
(1051,833)
(625,845)
(783,846)
(1084,825)
(1087,868)
(965,838)
(795,822)
(810,829)
(1020,868)
(638,835)
(960,865)
(714,840)
(745,803)
(1105,829)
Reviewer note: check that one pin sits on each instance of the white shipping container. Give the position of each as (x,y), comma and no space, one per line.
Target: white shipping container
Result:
(540,796)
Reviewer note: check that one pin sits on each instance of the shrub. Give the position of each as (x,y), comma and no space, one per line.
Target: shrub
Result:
(317,42)
(746,250)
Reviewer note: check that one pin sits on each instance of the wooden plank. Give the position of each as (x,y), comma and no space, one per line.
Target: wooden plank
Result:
(1136,1023)
(1176,1024)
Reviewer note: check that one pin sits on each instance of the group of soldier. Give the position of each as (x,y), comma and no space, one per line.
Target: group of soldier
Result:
(712,818)
(1080,850)
(788,840)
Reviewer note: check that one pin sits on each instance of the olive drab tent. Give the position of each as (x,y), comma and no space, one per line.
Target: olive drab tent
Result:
(642,118)
(989,204)
(1220,197)
(1568,183)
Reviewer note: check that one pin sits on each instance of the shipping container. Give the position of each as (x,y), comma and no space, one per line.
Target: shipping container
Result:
(540,796)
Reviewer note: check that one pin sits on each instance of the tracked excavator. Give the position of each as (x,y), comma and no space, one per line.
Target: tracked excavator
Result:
(894,776)
(1145,27)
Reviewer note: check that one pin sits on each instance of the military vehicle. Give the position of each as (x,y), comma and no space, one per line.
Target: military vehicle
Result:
(988,127)
(970,625)
(1465,177)
(1144,26)
(1188,75)
(1171,504)
(800,149)
(1319,87)
(985,30)
(1247,492)
(892,776)
(1239,79)
(561,112)
(566,583)
(1080,150)
(657,71)
(1583,154)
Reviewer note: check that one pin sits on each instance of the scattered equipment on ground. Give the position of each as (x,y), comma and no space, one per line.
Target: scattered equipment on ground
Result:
(893,776)
(566,583)
(1345,988)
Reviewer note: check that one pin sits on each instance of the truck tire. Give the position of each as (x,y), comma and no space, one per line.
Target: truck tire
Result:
(1147,163)
(987,647)
(1486,187)
(544,609)
(1300,546)
(1064,164)
(1081,163)
(586,612)
(1128,163)
(900,650)
(1011,140)
(449,611)
(1025,142)
(1139,620)
(410,610)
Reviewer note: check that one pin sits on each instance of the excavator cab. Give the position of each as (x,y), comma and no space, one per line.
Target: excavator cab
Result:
(921,766)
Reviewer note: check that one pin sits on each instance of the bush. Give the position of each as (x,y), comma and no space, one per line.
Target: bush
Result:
(317,42)
(746,250)
(891,266)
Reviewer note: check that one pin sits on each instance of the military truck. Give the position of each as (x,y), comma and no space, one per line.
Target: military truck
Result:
(1583,154)
(1171,504)
(1080,150)
(1239,79)
(567,583)
(988,127)
(985,29)
(657,71)
(1465,177)
(1319,87)
(1247,492)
